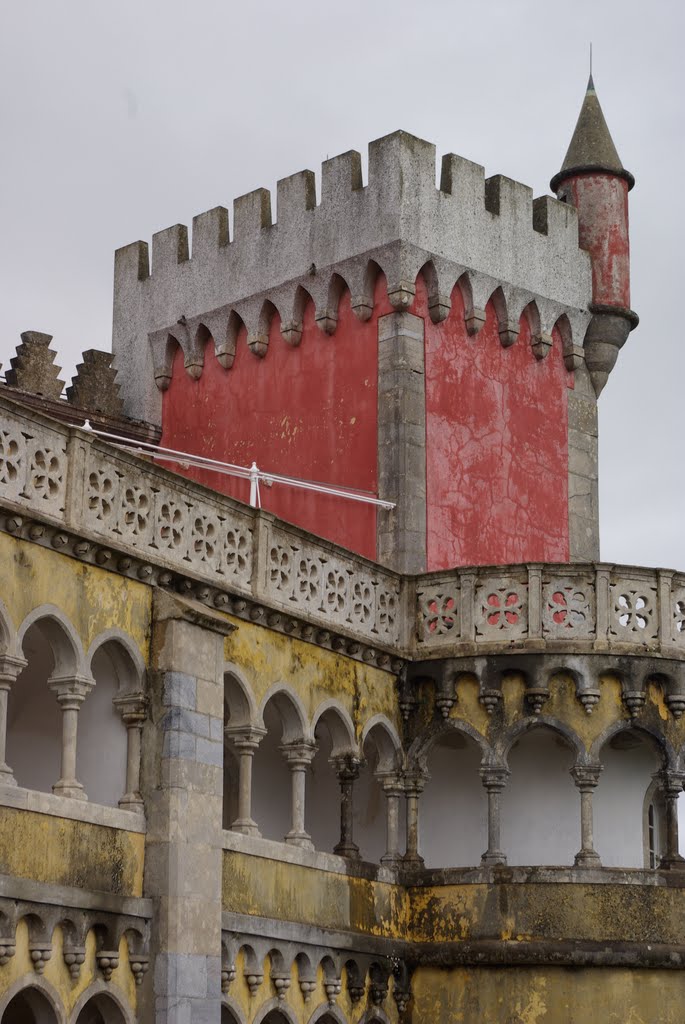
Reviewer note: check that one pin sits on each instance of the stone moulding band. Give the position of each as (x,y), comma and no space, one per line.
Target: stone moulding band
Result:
(257,933)
(61,487)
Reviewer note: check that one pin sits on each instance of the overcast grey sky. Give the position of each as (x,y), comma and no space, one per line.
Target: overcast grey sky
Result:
(121,118)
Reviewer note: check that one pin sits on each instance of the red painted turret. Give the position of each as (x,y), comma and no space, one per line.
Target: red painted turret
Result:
(594,180)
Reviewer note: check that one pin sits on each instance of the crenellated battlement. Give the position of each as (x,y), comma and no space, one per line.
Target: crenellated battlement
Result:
(490,235)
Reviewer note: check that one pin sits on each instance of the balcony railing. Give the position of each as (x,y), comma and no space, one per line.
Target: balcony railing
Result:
(61,475)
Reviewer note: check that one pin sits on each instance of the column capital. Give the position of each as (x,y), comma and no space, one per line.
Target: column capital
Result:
(299,754)
(672,782)
(10,667)
(586,776)
(71,691)
(132,707)
(494,776)
(391,782)
(245,738)
(346,766)
(414,780)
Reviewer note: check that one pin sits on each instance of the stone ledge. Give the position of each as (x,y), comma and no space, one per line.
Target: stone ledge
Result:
(269,849)
(71,896)
(75,810)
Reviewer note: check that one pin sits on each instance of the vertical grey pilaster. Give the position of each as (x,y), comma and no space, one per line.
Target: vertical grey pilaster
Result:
(586,778)
(401,533)
(182,784)
(583,496)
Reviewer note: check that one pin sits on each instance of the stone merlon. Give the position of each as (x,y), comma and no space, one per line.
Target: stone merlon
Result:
(491,228)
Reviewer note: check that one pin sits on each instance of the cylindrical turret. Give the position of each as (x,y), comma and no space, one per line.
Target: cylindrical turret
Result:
(594,180)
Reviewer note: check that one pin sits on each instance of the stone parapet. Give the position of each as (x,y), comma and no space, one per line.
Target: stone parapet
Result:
(398,222)
(64,487)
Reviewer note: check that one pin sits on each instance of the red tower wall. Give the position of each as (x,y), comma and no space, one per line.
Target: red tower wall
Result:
(602,204)
(309,412)
(496,432)
(497,445)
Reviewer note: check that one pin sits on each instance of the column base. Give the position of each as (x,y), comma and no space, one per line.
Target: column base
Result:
(246,827)
(587,859)
(413,861)
(71,788)
(494,857)
(131,802)
(6,776)
(349,850)
(391,860)
(301,839)
(676,863)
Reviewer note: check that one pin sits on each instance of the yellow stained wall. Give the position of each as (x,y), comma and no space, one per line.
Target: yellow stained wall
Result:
(551,911)
(292,892)
(60,851)
(266,658)
(92,598)
(549,995)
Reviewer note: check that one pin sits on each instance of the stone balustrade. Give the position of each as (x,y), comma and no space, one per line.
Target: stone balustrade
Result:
(567,607)
(120,510)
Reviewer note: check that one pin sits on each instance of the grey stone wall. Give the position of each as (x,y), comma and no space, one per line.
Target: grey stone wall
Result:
(493,229)
(183,783)
(583,474)
(402,442)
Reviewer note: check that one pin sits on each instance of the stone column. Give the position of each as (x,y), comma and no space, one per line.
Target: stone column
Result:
(586,778)
(71,691)
(10,668)
(182,783)
(347,769)
(392,787)
(401,532)
(245,741)
(414,783)
(133,709)
(494,779)
(299,757)
(672,783)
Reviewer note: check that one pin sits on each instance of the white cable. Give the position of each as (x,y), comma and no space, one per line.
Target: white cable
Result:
(253,473)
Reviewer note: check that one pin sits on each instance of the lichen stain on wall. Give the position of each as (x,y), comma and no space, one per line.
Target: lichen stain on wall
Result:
(524,995)
(91,598)
(289,892)
(60,851)
(266,658)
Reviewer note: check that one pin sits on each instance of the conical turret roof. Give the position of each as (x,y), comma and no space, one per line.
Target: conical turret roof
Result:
(592,147)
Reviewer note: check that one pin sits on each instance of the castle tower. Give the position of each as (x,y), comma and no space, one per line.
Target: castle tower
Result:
(423,343)
(248,775)
(594,180)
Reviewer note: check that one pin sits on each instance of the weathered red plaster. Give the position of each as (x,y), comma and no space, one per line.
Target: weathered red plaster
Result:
(602,204)
(309,412)
(497,444)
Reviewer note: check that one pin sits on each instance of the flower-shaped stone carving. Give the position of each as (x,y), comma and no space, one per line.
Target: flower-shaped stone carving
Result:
(172,520)
(101,494)
(387,612)
(136,510)
(9,458)
(336,591)
(46,473)
(633,610)
(503,609)
(438,614)
(236,550)
(205,531)
(567,609)
(281,568)
(362,602)
(309,580)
